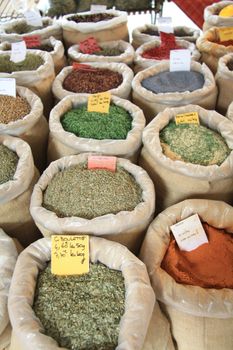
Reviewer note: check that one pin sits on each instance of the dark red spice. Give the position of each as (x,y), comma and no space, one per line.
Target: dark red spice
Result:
(224,43)
(97,17)
(90,81)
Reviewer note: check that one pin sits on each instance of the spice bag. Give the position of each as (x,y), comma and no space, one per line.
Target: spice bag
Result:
(224,80)
(152,103)
(230,112)
(212,19)
(126,57)
(15,195)
(39,80)
(125,227)
(177,180)
(8,257)
(210,50)
(113,29)
(201,318)
(123,90)
(53,29)
(137,322)
(33,128)
(63,143)
(141,63)
(181,33)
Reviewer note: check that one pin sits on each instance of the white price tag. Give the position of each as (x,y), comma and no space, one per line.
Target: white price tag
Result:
(180,60)
(33,18)
(8,86)
(98,8)
(165,25)
(18,51)
(189,233)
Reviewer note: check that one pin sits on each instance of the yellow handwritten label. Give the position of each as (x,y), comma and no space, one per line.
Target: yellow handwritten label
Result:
(99,102)
(187,118)
(225,34)
(70,255)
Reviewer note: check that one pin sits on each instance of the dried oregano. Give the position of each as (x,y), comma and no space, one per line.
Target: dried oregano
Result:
(78,191)
(113,125)
(8,164)
(81,312)
(31,62)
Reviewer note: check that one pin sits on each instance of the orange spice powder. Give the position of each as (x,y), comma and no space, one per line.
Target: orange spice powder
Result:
(208,266)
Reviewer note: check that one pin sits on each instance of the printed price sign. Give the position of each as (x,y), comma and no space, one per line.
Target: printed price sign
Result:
(32,41)
(187,118)
(189,233)
(8,86)
(180,60)
(99,102)
(69,255)
(225,34)
(81,66)
(18,51)
(98,8)
(165,25)
(89,45)
(33,18)
(102,162)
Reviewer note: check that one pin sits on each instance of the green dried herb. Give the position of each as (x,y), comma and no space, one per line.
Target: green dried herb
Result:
(8,164)
(78,191)
(81,312)
(108,52)
(194,144)
(113,125)
(22,27)
(31,62)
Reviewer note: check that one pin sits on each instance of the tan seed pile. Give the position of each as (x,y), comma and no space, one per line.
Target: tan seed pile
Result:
(13,108)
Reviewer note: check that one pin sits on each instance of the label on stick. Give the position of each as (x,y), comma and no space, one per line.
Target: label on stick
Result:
(99,102)
(70,255)
(165,24)
(189,233)
(180,60)
(98,8)
(8,86)
(18,51)
(102,162)
(225,34)
(187,118)
(33,18)
(32,41)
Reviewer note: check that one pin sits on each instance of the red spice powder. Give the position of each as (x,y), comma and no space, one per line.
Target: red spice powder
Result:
(208,266)
(162,52)
(224,43)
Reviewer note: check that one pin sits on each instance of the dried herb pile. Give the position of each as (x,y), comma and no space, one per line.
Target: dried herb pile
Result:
(8,164)
(92,80)
(108,52)
(180,81)
(22,27)
(97,17)
(194,144)
(78,191)
(31,62)
(13,108)
(113,125)
(81,312)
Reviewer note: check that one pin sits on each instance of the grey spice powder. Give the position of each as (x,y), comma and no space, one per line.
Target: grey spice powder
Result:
(78,191)
(81,312)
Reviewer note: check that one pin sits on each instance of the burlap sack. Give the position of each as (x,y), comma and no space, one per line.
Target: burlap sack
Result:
(125,227)
(15,194)
(224,81)
(201,318)
(53,29)
(39,80)
(113,29)
(137,322)
(123,90)
(230,112)
(177,180)
(8,257)
(33,128)
(152,103)
(212,19)
(126,57)
(63,143)
(181,33)
(141,63)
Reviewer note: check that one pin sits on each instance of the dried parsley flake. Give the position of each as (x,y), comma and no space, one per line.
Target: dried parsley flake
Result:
(8,164)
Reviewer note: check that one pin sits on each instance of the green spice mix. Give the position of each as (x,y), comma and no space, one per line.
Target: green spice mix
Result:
(81,312)
(31,62)
(113,125)
(23,28)
(109,52)
(194,144)
(78,191)
(8,164)
(13,108)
